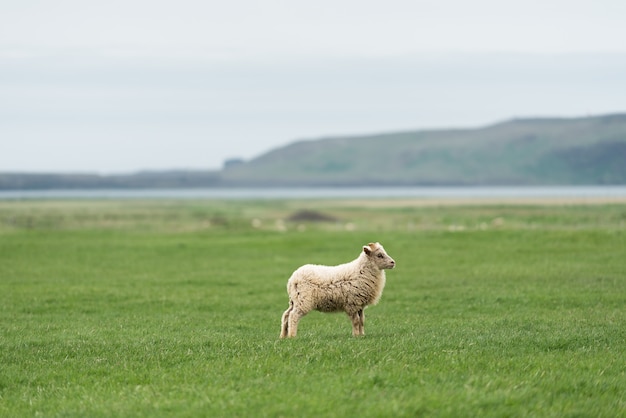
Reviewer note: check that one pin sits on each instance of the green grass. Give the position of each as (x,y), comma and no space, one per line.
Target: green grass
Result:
(173,309)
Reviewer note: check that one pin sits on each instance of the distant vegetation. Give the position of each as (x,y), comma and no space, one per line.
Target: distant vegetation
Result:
(579,151)
(143,180)
(519,152)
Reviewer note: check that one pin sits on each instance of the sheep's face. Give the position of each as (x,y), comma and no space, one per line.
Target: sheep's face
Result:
(377,254)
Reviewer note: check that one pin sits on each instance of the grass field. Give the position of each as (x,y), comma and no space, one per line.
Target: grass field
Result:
(172,308)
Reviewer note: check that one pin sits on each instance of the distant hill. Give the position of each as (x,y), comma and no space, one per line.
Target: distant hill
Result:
(577,151)
(142,180)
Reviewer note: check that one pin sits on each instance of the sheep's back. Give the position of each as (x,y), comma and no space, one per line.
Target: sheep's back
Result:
(333,288)
(321,275)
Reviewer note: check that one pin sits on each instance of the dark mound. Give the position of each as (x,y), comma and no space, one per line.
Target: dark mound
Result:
(306,215)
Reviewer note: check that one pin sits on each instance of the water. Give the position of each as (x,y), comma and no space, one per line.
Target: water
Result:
(543,192)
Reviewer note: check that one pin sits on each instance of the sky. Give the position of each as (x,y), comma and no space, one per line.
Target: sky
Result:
(130,85)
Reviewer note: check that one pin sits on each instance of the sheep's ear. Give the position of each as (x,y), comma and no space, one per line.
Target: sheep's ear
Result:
(367,250)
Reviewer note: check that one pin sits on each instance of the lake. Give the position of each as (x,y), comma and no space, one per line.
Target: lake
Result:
(512,192)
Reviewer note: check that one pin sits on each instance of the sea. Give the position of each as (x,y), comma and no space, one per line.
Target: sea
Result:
(509,192)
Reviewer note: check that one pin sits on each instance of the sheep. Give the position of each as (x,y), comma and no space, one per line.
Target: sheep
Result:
(348,287)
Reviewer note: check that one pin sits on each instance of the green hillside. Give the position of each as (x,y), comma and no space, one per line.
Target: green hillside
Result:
(580,151)
(590,150)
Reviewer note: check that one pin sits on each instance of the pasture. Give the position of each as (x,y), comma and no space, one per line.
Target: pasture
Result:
(172,308)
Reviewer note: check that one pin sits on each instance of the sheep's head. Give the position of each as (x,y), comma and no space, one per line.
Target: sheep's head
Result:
(377,254)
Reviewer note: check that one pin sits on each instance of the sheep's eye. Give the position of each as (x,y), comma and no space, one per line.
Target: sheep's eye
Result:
(380,256)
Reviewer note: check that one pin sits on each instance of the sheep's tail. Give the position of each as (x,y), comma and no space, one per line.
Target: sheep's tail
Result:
(291,287)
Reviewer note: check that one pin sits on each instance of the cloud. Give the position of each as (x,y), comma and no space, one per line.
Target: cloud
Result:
(360,28)
(137,84)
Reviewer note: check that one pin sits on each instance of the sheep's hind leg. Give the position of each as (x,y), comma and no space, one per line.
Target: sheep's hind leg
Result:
(292,322)
(284,323)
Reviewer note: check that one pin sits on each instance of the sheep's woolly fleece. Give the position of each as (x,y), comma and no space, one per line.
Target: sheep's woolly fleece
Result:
(348,287)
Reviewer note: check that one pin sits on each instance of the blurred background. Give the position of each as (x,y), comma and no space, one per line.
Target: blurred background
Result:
(124,86)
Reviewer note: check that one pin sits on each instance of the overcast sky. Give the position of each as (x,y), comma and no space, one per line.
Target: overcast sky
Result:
(120,86)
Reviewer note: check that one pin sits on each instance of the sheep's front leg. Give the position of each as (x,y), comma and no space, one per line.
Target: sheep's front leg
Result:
(361,322)
(357,325)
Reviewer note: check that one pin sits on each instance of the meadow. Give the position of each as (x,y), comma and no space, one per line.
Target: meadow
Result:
(172,308)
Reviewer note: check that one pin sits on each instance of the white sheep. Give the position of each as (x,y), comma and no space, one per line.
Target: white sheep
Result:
(348,287)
